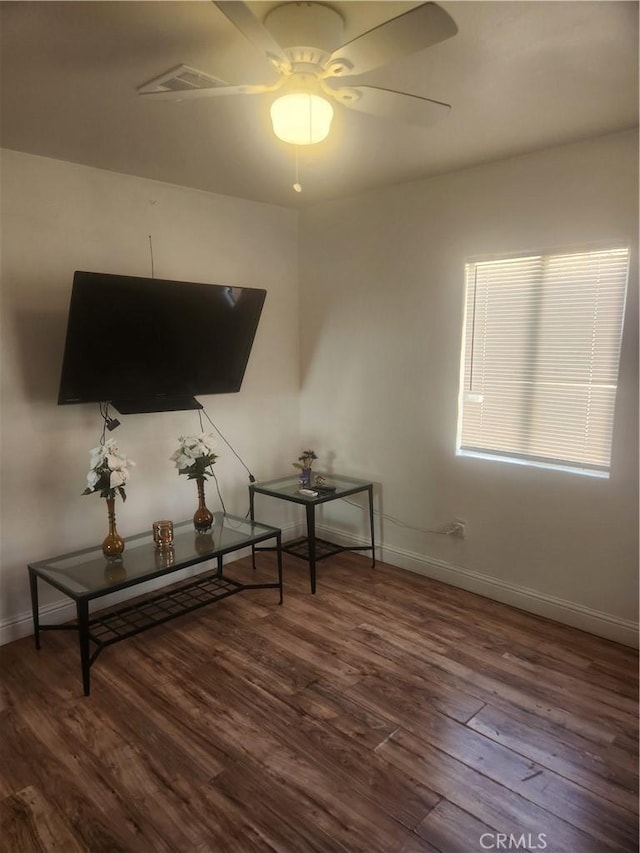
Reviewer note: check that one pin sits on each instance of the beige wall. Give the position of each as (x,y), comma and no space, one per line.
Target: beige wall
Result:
(58,217)
(380,315)
(381,308)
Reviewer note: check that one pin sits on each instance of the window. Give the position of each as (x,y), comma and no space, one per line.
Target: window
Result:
(541,349)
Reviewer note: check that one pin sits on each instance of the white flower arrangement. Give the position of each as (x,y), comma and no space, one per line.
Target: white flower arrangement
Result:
(108,471)
(195,455)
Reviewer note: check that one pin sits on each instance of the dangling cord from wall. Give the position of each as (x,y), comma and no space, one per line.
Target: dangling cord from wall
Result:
(104,414)
(252,479)
(400,523)
(215,480)
(108,423)
(202,411)
(151,254)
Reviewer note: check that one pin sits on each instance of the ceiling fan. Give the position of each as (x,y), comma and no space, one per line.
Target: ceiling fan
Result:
(303,43)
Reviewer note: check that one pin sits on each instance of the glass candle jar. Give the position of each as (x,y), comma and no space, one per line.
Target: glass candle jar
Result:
(163,534)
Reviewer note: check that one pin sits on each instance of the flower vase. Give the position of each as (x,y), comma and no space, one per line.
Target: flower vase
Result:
(203,517)
(304,479)
(113,545)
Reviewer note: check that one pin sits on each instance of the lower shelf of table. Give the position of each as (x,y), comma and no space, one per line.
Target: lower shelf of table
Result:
(323,548)
(127,621)
(111,626)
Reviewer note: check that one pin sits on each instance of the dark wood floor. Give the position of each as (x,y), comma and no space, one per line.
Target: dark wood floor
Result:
(386,714)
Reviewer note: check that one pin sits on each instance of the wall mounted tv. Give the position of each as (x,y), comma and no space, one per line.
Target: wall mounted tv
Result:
(152,345)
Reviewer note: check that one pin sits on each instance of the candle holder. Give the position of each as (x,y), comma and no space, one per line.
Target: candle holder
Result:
(163,534)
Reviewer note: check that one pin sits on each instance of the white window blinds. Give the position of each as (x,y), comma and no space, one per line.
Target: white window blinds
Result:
(540,357)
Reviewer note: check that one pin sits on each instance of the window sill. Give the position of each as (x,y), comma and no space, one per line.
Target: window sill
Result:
(531,463)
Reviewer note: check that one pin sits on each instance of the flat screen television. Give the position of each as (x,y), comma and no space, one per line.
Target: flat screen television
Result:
(152,345)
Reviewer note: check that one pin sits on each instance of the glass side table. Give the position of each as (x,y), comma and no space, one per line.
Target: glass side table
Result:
(309,547)
(87,575)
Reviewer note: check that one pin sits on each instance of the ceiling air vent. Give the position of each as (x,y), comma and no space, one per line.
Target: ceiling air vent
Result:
(181,79)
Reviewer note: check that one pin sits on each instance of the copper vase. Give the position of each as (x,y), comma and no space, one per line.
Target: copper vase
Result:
(113,545)
(203,518)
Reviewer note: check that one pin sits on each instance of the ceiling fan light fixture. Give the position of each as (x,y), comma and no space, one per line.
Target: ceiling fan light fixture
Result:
(301,118)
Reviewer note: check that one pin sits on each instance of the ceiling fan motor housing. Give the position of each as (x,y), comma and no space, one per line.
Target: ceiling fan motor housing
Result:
(308,32)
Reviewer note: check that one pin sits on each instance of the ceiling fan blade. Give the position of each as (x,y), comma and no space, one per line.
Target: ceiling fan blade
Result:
(399,106)
(251,28)
(414,30)
(184,83)
(207,92)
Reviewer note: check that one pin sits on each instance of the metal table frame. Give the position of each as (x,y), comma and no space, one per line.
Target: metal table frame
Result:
(310,548)
(167,603)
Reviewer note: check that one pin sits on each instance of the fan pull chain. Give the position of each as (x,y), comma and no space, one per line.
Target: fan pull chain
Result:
(297,186)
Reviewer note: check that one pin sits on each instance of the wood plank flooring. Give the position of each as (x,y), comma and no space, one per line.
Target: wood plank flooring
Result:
(386,714)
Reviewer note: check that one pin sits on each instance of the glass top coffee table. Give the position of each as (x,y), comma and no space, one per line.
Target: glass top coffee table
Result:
(309,547)
(87,575)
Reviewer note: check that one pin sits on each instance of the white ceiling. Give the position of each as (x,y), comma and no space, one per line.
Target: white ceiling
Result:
(520,76)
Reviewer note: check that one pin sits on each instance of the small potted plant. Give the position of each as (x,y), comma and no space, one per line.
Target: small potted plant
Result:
(304,464)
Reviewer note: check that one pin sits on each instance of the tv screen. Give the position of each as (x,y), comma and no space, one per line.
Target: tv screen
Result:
(149,344)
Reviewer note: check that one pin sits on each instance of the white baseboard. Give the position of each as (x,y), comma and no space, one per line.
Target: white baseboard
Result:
(21,625)
(559,610)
